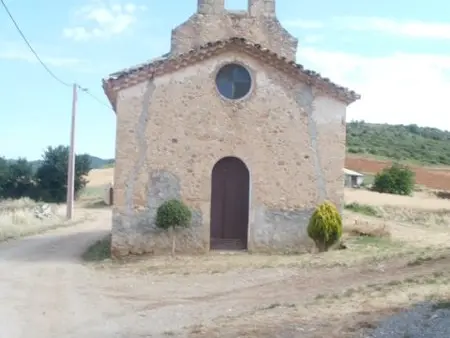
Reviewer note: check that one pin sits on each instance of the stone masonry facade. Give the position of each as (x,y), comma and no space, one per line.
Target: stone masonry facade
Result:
(173,126)
(212,22)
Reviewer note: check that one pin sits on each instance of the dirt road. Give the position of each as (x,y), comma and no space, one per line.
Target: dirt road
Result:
(46,291)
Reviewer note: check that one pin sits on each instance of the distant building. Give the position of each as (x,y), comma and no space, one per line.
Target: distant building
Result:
(353,179)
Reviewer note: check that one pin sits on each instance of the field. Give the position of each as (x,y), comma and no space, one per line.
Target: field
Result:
(100,177)
(431,177)
(397,255)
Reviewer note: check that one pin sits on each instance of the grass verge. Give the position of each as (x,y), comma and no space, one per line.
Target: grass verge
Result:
(99,251)
(364,209)
(360,250)
(441,305)
(18,219)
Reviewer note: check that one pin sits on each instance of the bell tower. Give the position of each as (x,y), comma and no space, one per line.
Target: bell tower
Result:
(258,8)
(206,7)
(212,22)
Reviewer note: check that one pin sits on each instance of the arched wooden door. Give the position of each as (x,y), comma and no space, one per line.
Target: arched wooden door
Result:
(229,205)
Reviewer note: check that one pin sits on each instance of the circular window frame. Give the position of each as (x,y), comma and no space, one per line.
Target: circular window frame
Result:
(250,73)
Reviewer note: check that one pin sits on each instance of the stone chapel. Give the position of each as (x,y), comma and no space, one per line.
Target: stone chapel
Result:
(228,122)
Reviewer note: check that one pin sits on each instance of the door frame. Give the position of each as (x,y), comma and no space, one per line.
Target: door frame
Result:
(249,218)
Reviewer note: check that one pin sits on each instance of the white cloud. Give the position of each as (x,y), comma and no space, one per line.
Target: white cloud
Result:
(103,20)
(399,88)
(25,55)
(409,28)
(301,23)
(406,28)
(311,39)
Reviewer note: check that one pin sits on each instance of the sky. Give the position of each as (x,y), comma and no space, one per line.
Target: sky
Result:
(396,54)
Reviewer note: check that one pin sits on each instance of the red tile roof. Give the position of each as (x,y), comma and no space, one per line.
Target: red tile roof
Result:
(169,63)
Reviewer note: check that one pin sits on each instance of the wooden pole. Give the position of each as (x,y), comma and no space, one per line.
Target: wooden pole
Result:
(71,161)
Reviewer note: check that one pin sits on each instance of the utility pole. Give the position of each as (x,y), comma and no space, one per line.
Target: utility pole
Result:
(71,162)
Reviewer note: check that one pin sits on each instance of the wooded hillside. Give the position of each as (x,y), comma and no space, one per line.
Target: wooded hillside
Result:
(399,142)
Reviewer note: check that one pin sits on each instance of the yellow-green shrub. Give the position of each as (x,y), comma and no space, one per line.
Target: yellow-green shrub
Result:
(325,226)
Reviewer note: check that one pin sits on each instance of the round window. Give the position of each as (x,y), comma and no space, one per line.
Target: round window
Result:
(233,81)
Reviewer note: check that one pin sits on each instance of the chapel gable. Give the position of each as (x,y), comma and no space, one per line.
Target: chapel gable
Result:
(212,22)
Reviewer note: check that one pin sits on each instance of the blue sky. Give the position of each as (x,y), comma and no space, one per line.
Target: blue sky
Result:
(395,53)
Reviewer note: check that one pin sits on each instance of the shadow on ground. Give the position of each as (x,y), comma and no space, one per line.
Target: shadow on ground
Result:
(424,319)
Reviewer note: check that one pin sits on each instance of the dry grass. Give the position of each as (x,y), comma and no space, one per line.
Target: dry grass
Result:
(364,246)
(406,215)
(367,230)
(364,243)
(420,200)
(17,218)
(335,315)
(424,209)
(93,195)
(100,177)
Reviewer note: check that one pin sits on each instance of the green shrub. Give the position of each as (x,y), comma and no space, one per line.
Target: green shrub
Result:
(325,226)
(397,179)
(443,194)
(363,209)
(173,214)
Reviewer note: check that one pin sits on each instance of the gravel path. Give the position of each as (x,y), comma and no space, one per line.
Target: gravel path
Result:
(421,321)
(46,291)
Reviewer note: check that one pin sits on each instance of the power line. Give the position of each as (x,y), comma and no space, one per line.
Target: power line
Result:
(31,48)
(75,86)
(85,90)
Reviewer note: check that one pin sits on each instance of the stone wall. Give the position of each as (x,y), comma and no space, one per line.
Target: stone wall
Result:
(173,129)
(212,22)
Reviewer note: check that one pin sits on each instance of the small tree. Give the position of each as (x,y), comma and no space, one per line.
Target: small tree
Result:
(51,176)
(16,179)
(397,179)
(4,177)
(325,226)
(173,214)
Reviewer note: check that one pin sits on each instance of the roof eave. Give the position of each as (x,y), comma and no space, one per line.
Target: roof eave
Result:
(110,93)
(117,80)
(352,97)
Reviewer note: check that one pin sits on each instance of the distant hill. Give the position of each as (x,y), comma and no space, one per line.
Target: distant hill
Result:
(99,163)
(409,143)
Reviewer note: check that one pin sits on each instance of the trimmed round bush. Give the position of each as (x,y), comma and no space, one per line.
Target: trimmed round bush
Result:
(325,226)
(173,213)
